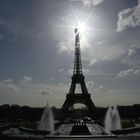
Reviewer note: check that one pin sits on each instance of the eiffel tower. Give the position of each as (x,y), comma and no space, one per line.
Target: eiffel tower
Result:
(78,78)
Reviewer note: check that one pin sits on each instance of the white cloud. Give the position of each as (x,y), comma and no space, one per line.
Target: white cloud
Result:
(131,52)
(137,72)
(26,79)
(8,84)
(8,81)
(86,71)
(104,53)
(107,97)
(30,93)
(92,62)
(96,51)
(92,86)
(96,2)
(61,70)
(70,71)
(89,3)
(129,18)
(132,58)
(129,72)
(64,47)
(101,42)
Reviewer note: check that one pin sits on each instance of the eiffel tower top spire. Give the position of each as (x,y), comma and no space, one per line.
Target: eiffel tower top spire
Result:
(77,58)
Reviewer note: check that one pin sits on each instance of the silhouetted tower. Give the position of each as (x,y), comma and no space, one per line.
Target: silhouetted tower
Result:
(78,78)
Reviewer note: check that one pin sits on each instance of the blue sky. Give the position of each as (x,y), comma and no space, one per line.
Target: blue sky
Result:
(37,46)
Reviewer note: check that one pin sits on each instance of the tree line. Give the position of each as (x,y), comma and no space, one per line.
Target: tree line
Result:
(25,113)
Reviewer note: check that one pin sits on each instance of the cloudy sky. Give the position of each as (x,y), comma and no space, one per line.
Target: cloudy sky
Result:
(37,46)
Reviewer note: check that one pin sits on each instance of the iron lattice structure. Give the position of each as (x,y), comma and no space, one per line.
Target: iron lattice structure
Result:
(77,56)
(78,78)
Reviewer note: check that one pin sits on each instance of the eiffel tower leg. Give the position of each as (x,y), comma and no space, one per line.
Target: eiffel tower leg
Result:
(83,87)
(91,107)
(67,104)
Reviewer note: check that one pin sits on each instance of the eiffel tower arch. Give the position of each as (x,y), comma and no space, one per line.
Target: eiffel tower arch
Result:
(78,78)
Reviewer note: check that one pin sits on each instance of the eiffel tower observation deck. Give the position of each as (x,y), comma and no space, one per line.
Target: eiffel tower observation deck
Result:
(78,78)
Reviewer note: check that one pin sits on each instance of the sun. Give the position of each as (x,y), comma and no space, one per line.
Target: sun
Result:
(82,27)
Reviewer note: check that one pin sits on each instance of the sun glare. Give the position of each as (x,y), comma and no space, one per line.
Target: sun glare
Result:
(82,27)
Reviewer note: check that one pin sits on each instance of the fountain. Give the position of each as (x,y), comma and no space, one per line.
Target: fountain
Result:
(112,119)
(47,120)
